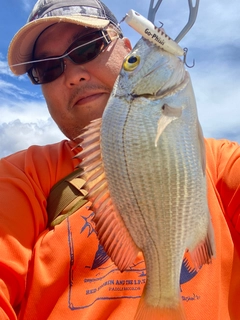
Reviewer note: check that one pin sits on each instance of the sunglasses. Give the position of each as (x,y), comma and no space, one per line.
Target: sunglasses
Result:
(84,49)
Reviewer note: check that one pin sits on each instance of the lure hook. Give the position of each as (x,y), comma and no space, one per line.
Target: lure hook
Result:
(161,24)
(123,19)
(185,59)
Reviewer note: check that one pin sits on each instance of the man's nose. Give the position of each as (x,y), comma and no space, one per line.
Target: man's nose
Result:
(75,73)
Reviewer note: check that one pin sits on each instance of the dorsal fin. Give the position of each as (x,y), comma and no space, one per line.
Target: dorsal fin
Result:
(111,230)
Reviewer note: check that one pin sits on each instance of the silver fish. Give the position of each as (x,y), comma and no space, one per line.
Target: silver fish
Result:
(144,163)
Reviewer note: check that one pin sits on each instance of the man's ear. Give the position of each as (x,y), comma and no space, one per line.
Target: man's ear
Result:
(127,44)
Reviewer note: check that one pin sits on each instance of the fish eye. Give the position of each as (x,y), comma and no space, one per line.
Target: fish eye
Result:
(131,62)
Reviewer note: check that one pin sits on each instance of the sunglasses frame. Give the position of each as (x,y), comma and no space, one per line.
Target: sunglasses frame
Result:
(103,34)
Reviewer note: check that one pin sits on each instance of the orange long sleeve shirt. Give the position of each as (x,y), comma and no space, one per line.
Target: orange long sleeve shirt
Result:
(64,273)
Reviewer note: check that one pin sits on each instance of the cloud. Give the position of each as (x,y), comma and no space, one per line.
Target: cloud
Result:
(215,87)
(25,122)
(28,5)
(25,110)
(4,68)
(12,86)
(16,135)
(9,90)
(24,116)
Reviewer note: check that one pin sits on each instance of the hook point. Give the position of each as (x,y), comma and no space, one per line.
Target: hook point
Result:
(185,59)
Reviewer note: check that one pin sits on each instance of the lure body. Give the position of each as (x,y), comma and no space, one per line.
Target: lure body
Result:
(152,33)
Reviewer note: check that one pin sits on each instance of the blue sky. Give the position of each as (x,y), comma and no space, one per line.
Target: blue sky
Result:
(214,43)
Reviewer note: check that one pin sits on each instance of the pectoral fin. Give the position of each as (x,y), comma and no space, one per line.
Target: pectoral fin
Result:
(168,115)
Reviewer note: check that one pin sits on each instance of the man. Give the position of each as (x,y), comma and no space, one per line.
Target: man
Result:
(51,264)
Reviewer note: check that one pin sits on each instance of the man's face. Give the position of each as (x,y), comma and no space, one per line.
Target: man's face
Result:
(81,93)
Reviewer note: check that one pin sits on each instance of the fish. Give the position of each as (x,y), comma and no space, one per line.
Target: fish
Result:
(144,166)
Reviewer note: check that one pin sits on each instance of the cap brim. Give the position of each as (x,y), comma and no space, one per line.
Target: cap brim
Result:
(21,46)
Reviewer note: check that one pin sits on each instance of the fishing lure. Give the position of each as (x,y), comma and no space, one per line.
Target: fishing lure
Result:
(152,33)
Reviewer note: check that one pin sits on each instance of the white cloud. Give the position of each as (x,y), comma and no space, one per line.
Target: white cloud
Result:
(28,5)
(24,116)
(25,110)
(4,68)
(8,90)
(25,122)
(217,98)
(17,135)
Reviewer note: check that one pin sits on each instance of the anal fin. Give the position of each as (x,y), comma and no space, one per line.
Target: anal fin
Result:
(205,250)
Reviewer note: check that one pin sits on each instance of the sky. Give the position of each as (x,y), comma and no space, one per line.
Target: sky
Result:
(213,42)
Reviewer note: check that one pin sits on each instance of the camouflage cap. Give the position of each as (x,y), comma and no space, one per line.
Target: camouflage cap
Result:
(89,13)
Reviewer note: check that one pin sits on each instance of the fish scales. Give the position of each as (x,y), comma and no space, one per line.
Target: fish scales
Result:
(153,159)
(140,164)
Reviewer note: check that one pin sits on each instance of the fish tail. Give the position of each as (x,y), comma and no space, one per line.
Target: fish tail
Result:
(149,312)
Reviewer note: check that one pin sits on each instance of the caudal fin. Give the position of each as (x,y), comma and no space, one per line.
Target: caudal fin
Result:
(148,312)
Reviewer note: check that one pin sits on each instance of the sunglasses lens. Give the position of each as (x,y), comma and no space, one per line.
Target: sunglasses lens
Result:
(46,71)
(87,48)
(81,51)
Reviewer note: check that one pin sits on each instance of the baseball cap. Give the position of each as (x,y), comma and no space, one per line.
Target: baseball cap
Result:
(89,13)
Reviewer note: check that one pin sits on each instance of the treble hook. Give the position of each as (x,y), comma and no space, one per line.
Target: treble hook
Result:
(185,59)
(161,24)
